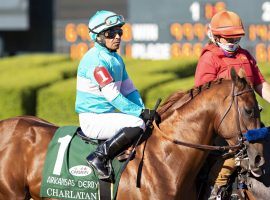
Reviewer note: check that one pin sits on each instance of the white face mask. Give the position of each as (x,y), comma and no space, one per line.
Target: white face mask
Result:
(229,47)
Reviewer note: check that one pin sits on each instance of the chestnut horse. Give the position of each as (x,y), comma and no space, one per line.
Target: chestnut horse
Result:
(172,156)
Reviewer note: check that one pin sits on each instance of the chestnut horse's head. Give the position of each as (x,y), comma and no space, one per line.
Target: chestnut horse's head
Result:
(226,107)
(239,112)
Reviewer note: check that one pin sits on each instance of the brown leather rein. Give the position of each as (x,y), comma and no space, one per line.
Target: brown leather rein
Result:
(234,101)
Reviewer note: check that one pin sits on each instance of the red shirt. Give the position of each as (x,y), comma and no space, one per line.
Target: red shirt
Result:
(213,64)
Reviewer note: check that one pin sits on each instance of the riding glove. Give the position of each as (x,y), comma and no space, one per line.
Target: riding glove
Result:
(148,114)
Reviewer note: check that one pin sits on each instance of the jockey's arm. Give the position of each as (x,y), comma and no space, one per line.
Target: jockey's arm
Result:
(135,97)
(263,90)
(111,92)
(129,90)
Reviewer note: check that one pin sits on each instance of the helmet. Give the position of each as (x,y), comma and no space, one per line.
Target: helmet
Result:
(227,24)
(104,20)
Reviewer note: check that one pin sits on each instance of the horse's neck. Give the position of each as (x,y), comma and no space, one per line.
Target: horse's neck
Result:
(172,166)
(191,125)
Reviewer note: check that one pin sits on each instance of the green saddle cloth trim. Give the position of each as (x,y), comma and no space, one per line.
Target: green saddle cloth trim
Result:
(66,174)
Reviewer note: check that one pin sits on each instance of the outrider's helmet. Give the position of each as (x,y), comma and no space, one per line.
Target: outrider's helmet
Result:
(227,24)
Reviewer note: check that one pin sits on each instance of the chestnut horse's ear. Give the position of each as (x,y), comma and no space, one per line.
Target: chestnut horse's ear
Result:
(242,73)
(238,80)
(234,76)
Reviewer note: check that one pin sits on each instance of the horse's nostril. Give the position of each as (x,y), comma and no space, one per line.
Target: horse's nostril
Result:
(258,161)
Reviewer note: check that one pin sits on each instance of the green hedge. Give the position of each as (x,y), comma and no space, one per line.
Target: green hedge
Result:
(44,84)
(56,103)
(24,62)
(154,79)
(21,79)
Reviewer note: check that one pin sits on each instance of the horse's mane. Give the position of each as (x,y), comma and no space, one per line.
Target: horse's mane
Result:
(180,98)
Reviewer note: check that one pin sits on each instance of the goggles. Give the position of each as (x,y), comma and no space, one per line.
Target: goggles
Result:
(111,33)
(233,40)
(110,21)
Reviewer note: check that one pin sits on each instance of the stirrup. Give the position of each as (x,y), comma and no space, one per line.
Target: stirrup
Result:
(97,163)
(108,176)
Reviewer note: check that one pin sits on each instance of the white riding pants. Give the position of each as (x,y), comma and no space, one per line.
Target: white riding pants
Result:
(106,125)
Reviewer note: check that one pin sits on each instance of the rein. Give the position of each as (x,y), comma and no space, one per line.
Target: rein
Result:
(196,146)
(234,101)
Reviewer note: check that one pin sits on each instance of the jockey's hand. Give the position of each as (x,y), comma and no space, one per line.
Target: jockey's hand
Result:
(148,114)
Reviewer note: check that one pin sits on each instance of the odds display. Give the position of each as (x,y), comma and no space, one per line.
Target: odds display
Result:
(180,30)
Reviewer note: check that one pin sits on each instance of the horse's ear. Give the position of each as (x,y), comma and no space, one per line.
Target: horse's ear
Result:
(242,73)
(234,76)
(238,80)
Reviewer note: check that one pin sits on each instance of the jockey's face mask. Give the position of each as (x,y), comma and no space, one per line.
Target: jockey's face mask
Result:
(229,44)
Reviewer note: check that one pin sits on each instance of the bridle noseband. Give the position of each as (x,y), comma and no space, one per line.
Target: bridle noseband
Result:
(240,144)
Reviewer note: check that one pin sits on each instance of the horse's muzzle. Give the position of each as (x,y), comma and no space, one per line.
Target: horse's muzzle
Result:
(253,160)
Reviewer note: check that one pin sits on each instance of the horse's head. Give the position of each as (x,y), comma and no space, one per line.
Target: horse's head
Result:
(238,113)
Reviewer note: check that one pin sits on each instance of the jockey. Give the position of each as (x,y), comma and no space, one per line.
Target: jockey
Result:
(103,86)
(217,58)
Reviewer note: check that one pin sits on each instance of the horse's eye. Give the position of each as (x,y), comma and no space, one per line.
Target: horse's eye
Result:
(249,112)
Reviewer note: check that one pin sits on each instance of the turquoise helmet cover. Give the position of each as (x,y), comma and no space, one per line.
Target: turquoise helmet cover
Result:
(102,21)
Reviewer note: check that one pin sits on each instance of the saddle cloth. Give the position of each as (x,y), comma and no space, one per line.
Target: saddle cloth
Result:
(66,174)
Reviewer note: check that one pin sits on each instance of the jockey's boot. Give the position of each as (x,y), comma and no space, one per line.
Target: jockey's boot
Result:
(101,158)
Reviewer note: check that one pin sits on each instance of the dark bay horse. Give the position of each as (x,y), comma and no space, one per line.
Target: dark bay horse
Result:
(169,169)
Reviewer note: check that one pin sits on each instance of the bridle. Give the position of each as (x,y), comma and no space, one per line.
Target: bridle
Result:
(234,101)
(238,115)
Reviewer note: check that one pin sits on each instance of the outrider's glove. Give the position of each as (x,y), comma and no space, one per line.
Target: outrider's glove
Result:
(147,114)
